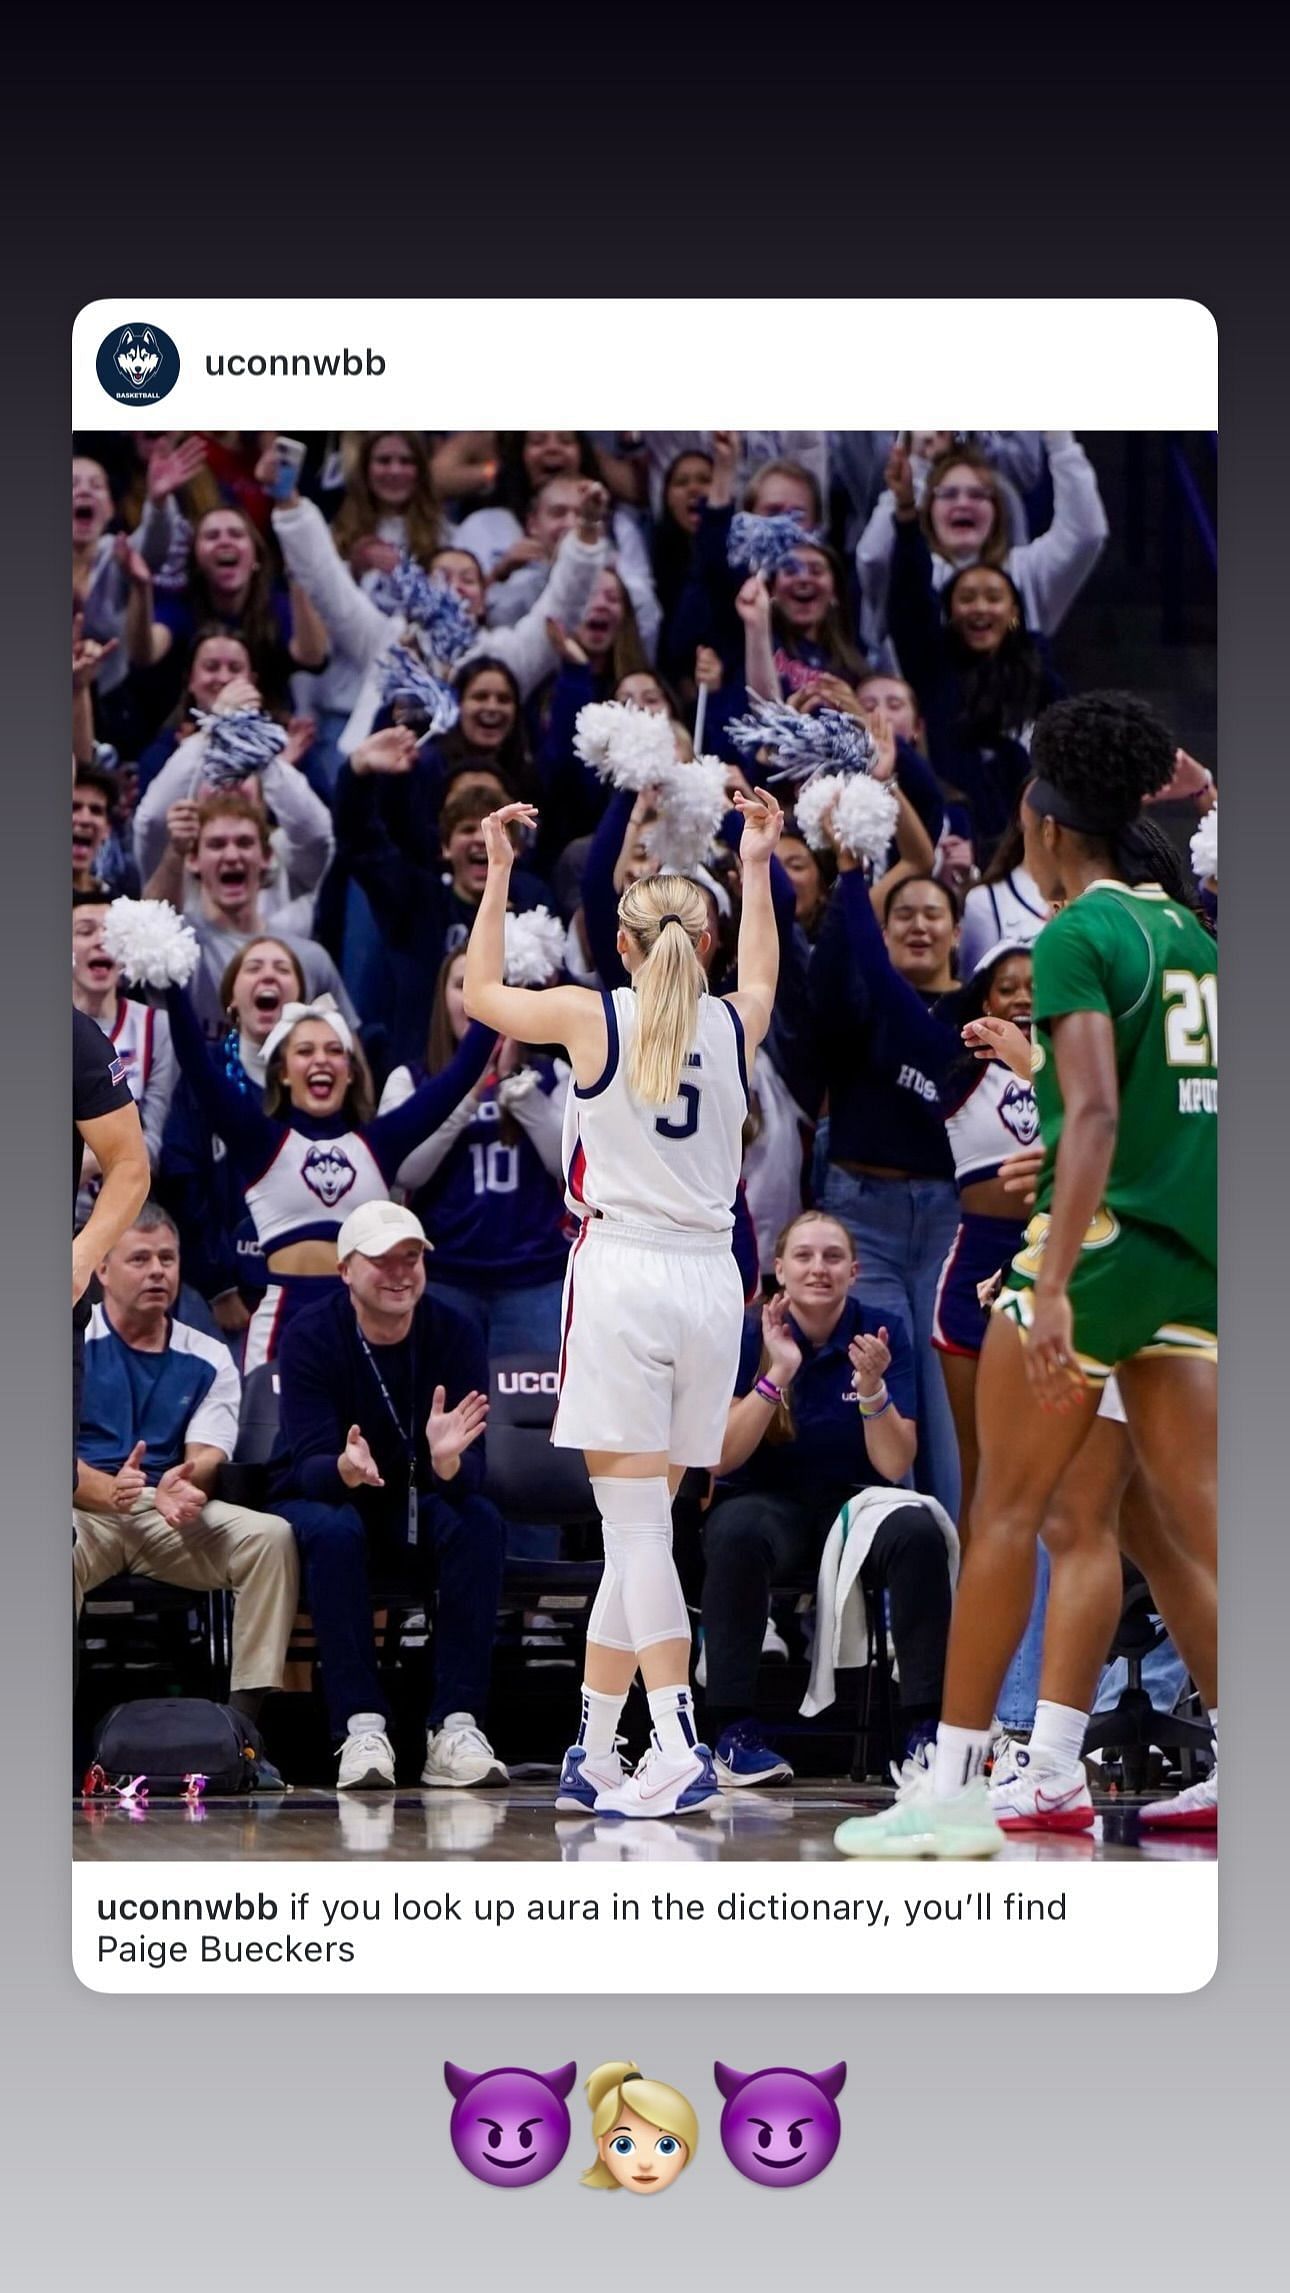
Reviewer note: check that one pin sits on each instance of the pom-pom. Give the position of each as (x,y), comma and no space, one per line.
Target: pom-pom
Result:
(766,545)
(849,810)
(534,948)
(405,677)
(633,748)
(445,622)
(1204,847)
(829,741)
(692,805)
(153,946)
(238,742)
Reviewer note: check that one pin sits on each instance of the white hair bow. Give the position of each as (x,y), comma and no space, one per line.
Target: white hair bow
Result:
(323,1007)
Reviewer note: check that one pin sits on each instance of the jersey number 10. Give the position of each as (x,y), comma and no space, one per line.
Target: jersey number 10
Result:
(1191,1019)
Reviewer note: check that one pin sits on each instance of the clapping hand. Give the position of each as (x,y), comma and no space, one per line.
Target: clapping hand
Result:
(177,1498)
(783,1353)
(171,466)
(393,749)
(450,1432)
(870,1359)
(129,1481)
(356,1464)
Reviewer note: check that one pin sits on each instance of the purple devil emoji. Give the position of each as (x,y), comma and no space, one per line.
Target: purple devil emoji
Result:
(780,2127)
(509,2127)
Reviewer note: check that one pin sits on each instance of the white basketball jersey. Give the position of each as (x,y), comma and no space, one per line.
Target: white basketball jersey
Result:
(134,1039)
(672,1168)
(997,1117)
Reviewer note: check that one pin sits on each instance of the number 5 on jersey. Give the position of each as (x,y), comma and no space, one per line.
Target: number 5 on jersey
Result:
(688,1095)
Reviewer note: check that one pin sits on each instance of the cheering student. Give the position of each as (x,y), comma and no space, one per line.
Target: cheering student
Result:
(653,1302)
(1119,1269)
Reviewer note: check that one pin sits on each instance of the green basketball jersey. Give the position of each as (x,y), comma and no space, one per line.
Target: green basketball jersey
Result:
(1152,967)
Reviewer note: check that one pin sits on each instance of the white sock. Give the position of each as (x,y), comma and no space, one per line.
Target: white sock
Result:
(960,1755)
(1057,1738)
(671,1712)
(599,1725)
(366,1724)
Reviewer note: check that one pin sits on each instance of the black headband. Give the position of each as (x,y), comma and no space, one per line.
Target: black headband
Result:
(1051,804)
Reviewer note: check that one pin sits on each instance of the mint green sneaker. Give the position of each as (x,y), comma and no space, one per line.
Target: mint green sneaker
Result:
(959,1829)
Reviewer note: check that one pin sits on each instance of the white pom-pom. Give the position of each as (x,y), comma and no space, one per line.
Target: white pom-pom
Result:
(865,816)
(692,806)
(1204,847)
(534,948)
(813,808)
(153,946)
(631,747)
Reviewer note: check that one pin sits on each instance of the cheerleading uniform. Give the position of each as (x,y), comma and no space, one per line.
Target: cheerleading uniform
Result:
(995,1118)
(304,1176)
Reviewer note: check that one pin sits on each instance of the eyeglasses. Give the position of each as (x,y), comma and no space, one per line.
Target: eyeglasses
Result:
(962,494)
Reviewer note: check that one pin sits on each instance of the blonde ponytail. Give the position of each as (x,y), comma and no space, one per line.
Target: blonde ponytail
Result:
(666,916)
(618,2085)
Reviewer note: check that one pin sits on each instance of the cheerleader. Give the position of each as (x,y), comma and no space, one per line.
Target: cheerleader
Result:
(653,1303)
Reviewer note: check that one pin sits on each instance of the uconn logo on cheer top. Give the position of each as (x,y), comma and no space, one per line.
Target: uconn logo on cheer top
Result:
(328,1172)
(137,365)
(1018,1110)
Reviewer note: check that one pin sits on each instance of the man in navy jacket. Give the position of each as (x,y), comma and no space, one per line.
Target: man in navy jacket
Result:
(381,1455)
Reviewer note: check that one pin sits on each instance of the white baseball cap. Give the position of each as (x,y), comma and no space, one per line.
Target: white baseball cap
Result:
(376,1227)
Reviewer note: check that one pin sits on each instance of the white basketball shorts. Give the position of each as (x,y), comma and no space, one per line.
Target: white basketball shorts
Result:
(651,1335)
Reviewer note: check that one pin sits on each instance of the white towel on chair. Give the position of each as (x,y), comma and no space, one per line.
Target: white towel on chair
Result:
(841,1634)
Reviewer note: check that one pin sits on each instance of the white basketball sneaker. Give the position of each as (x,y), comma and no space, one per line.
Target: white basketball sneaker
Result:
(666,1783)
(1024,1797)
(1194,1810)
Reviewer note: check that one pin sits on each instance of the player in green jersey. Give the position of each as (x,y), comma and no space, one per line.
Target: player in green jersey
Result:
(1118,1271)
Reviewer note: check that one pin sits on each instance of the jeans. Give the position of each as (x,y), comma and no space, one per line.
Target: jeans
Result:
(1164,1676)
(1020,1691)
(457,1557)
(525,1321)
(751,1543)
(903,1229)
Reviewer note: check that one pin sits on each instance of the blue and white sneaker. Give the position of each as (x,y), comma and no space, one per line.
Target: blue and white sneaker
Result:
(743,1756)
(666,1783)
(582,1786)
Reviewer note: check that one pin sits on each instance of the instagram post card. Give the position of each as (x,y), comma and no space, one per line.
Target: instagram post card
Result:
(644,1053)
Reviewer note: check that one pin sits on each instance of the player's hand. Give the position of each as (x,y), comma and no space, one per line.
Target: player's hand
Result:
(129,1481)
(988,1291)
(1000,1039)
(1019,1173)
(763,821)
(177,1499)
(356,1464)
(1056,1379)
(784,1355)
(450,1432)
(495,826)
(870,1359)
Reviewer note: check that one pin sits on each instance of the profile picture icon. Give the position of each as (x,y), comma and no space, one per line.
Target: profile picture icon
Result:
(645,2132)
(780,2127)
(509,2127)
(137,364)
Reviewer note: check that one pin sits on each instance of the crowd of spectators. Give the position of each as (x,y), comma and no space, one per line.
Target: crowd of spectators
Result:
(319,1066)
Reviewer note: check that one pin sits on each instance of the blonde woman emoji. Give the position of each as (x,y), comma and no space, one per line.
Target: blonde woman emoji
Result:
(646,2133)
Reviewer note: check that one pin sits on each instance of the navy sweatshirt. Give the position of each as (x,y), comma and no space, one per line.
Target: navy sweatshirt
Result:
(328,1384)
(880,1050)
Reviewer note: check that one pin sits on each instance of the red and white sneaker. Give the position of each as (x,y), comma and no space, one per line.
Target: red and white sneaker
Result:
(1194,1810)
(1028,1798)
(665,1785)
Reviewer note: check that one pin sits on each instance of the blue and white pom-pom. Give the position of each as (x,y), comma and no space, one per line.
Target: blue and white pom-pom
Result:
(829,741)
(766,545)
(152,944)
(446,624)
(238,742)
(630,747)
(534,948)
(1204,848)
(692,804)
(405,677)
(850,810)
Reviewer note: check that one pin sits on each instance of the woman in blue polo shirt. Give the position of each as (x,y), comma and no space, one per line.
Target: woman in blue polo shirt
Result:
(825,1405)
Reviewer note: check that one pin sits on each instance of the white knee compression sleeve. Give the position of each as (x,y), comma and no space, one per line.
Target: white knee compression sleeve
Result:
(637,1521)
(607,1624)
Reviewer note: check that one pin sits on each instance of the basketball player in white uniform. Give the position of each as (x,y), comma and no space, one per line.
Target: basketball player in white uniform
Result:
(653,1303)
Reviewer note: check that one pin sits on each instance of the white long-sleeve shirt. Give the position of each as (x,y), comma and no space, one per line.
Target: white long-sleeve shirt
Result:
(358,628)
(302,843)
(1049,571)
(488,534)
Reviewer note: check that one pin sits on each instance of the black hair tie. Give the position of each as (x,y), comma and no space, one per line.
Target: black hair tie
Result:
(670,918)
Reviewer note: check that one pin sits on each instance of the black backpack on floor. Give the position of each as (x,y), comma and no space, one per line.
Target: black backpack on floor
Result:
(168,1739)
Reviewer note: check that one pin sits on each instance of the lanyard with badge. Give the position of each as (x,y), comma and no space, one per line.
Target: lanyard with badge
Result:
(406,1433)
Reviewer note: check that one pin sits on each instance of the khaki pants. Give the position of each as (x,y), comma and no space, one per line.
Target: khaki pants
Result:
(228,1549)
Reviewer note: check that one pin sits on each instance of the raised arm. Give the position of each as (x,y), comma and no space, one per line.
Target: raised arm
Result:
(1059,561)
(248,1133)
(527,648)
(571,1016)
(357,628)
(401,1129)
(758,955)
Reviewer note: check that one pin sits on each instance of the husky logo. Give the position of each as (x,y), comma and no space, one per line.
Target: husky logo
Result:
(328,1172)
(138,365)
(137,356)
(1018,1111)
